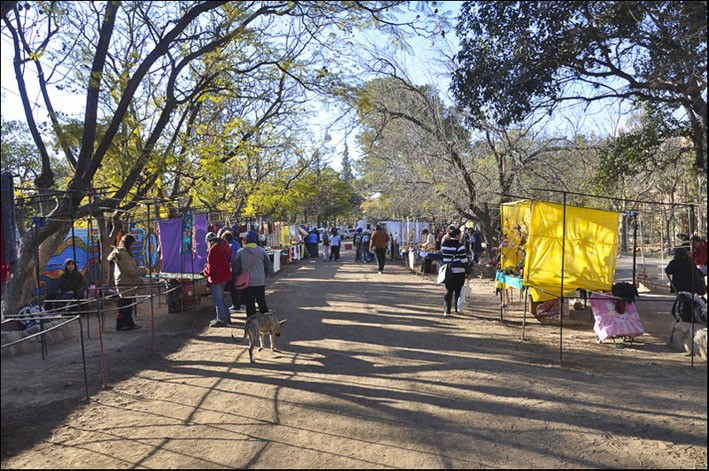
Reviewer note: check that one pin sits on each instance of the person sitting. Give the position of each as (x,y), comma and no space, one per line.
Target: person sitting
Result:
(72,284)
(683,274)
(428,245)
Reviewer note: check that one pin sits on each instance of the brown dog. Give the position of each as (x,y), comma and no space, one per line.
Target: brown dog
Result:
(256,327)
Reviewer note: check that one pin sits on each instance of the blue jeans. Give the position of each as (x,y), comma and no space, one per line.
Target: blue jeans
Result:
(220,302)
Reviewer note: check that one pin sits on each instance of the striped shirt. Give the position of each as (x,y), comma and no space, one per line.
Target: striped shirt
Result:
(454,253)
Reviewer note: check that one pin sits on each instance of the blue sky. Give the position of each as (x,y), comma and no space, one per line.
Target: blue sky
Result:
(420,64)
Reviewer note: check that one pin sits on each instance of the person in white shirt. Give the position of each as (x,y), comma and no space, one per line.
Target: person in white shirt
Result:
(429,242)
(335,244)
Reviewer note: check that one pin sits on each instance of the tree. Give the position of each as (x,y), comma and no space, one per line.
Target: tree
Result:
(346,166)
(421,153)
(518,57)
(150,75)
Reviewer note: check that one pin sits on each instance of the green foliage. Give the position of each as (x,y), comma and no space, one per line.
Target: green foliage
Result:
(19,154)
(517,57)
(637,151)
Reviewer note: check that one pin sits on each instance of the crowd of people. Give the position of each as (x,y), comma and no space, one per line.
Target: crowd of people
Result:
(225,269)
(228,263)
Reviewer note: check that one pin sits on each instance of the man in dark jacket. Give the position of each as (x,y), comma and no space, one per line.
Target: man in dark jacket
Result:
(683,274)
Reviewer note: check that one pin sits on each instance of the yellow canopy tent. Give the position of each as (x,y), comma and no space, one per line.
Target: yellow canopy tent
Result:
(588,242)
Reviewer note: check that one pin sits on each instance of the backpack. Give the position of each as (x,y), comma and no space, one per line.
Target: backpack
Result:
(365,239)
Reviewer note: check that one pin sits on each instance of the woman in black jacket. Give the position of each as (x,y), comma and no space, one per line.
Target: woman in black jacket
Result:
(454,253)
(72,282)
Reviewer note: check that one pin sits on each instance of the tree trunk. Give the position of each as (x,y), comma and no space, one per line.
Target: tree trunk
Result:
(41,243)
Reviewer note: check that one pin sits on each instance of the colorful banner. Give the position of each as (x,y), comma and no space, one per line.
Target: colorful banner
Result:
(170,234)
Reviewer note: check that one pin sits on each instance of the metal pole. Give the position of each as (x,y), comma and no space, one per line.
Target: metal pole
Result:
(192,251)
(561,293)
(694,268)
(635,243)
(524,314)
(36,270)
(83,357)
(150,280)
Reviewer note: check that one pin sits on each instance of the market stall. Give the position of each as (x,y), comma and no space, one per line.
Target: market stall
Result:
(553,250)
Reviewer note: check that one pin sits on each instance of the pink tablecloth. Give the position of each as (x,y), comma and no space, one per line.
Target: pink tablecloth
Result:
(610,323)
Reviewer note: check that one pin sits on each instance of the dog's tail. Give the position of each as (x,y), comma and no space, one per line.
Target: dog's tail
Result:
(242,340)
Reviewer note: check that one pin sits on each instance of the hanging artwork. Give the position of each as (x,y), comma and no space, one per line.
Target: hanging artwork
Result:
(187,225)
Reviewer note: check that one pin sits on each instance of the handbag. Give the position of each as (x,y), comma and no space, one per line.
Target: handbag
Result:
(243,280)
(443,274)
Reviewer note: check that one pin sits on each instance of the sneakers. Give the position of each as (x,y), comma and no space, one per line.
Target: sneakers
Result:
(218,324)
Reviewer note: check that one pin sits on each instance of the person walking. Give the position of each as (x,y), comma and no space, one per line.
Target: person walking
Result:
(254,260)
(326,246)
(218,274)
(366,254)
(357,242)
(335,242)
(128,277)
(378,243)
(234,245)
(455,255)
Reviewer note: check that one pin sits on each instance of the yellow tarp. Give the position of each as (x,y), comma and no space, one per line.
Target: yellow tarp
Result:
(590,249)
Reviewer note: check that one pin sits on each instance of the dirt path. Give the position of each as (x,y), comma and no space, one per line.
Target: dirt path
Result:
(370,376)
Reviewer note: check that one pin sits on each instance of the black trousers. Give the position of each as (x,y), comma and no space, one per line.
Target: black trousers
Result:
(252,295)
(381,257)
(235,294)
(453,287)
(335,252)
(124,316)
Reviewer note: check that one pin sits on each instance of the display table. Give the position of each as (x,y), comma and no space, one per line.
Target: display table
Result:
(428,261)
(505,281)
(179,292)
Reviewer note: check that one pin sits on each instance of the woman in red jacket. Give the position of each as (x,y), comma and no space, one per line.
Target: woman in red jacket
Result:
(218,273)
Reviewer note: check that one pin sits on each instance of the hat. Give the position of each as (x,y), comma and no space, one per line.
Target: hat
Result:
(251,237)
(211,236)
